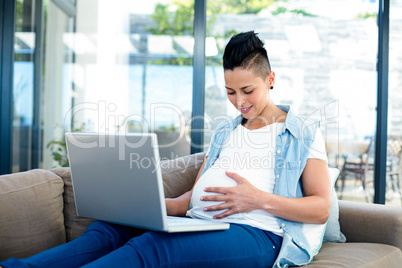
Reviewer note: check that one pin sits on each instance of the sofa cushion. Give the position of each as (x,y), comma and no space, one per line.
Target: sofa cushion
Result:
(31,213)
(179,174)
(75,225)
(357,255)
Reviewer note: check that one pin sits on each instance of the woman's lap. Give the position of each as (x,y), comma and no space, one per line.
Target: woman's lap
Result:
(240,246)
(106,244)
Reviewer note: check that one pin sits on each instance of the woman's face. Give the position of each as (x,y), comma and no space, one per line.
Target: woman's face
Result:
(247,92)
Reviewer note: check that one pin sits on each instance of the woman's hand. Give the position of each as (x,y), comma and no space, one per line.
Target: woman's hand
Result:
(242,198)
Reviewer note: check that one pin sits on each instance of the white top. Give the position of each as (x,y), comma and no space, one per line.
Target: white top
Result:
(251,154)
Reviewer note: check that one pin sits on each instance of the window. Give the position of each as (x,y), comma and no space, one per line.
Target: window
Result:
(23,126)
(116,67)
(394,145)
(324,58)
(58,82)
(127,66)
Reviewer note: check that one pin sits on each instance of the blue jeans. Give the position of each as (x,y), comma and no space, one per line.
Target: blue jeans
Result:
(109,245)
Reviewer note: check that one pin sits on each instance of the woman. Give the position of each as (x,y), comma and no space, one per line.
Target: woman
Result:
(265,173)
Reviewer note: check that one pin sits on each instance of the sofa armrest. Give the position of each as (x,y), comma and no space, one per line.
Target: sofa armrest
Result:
(372,223)
(31,213)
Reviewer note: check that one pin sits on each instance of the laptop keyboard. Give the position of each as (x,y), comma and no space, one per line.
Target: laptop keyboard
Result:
(177,221)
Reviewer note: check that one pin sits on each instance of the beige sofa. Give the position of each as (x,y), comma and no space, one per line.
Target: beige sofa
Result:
(37,212)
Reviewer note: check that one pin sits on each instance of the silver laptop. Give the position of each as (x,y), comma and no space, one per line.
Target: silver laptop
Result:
(117,178)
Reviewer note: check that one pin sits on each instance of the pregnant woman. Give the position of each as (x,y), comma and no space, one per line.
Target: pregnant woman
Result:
(265,173)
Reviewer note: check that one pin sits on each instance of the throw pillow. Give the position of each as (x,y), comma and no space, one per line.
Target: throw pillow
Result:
(333,229)
(315,233)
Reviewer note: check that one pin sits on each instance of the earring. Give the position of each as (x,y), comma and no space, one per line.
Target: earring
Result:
(272,87)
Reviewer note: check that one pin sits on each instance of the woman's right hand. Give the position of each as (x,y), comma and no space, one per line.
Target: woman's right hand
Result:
(244,197)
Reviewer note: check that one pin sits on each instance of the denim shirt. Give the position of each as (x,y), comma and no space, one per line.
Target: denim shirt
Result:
(292,148)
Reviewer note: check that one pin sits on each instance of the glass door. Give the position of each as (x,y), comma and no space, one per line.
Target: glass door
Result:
(26,92)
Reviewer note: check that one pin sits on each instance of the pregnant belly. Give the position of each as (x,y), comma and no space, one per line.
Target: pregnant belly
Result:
(211,178)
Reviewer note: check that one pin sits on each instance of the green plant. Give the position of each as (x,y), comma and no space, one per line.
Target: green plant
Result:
(168,128)
(59,149)
(174,19)
(177,17)
(367,15)
(283,10)
(302,12)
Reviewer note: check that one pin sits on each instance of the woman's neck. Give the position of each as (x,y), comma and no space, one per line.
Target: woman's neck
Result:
(271,114)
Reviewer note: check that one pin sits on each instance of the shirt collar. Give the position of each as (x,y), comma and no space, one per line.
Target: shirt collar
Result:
(291,123)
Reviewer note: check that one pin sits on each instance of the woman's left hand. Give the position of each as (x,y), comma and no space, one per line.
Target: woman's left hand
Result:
(242,198)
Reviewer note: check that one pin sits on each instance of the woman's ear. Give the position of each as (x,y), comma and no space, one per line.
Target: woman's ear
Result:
(271,80)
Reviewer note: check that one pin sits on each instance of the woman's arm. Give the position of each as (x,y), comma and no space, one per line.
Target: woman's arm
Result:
(178,206)
(313,208)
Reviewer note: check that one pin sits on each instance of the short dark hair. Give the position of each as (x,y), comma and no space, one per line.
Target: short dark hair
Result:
(246,50)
